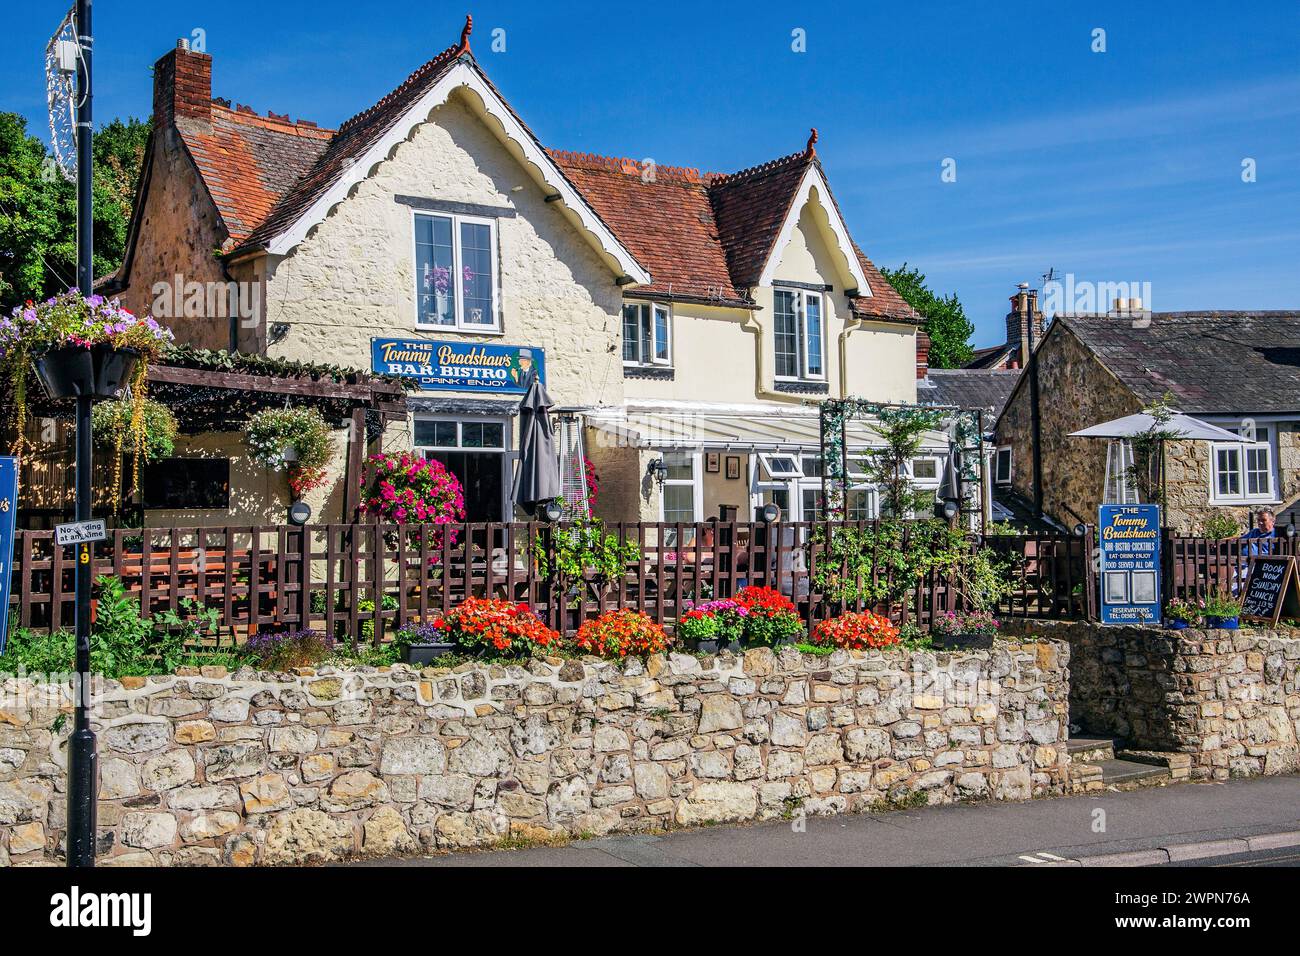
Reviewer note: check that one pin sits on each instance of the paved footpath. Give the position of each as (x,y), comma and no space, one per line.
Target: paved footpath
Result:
(1233,823)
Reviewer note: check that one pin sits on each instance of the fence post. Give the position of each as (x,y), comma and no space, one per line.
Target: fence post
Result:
(1167,586)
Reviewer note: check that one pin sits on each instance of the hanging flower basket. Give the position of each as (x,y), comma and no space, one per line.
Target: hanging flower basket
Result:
(100,371)
(77,346)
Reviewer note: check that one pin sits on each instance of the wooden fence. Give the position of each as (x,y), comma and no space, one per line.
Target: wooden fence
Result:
(362,581)
(1195,568)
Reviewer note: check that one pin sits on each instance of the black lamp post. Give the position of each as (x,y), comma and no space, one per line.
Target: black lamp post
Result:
(82,762)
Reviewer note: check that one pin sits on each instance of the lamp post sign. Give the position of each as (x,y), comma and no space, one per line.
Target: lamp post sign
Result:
(8,511)
(1130,564)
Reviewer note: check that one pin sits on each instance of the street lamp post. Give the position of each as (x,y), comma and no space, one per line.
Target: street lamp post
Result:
(82,762)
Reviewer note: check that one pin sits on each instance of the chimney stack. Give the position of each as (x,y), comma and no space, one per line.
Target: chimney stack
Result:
(922,354)
(1024,316)
(182,86)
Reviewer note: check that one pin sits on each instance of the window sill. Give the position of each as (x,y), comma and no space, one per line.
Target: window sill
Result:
(662,373)
(802,387)
(459,329)
(1243,502)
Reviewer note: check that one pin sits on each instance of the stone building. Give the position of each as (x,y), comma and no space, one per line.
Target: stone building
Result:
(1237,370)
(685,323)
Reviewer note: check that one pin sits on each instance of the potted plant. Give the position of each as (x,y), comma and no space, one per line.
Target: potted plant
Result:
(496,627)
(856,630)
(78,346)
(770,617)
(422,644)
(296,439)
(714,625)
(1221,610)
(976,629)
(620,633)
(112,423)
(1181,614)
(408,489)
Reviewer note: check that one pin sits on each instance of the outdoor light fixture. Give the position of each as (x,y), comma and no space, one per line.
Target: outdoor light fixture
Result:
(657,470)
(299,513)
(552,510)
(1080,530)
(770,512)
(1290,531)
(950,509)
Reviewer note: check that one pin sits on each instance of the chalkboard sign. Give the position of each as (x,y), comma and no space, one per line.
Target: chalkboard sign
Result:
(1271,589)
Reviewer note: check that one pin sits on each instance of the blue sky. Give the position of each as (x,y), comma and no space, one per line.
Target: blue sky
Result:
(1122,166)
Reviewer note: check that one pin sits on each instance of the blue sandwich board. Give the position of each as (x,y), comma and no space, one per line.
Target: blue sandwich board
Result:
(1130,564)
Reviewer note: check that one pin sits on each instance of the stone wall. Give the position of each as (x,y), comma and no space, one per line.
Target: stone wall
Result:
(1229,699)
(256,768)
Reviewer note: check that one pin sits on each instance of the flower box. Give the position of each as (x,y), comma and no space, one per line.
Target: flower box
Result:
(419,654)
(100,371)
(964,641)
(1222,623)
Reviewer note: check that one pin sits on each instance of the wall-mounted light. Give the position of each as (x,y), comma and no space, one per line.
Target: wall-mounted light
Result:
(552,510)
(278,331)
(1080,530)
(950,509)
(657,471)
(299,513)
(770,512)
(1290,531)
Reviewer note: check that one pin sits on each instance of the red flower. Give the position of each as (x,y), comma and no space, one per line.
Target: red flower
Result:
(856,630)
(619,633)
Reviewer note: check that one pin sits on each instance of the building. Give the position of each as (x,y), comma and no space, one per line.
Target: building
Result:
(1024,325)
(685,323)
(1237,370)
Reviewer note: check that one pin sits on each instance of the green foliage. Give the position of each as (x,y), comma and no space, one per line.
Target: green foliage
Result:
(944,318)
(583,546)
(903,432)
(1184,611)
(1219,525)
(882,562)
(1145,473)
(820,650)
(1221,604)
(38,234)
(367,606)
(34,652)
(913,638)
(111,422)
(273,431)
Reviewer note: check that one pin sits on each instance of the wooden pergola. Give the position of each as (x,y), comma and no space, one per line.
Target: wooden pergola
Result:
(205,399)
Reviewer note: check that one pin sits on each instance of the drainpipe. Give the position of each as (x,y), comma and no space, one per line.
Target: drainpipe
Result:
(752,324)
(851,324)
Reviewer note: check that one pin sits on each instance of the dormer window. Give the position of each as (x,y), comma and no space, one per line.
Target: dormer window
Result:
(799,335)
(647,334)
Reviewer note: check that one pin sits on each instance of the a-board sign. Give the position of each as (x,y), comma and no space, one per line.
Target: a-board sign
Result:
(1271,589)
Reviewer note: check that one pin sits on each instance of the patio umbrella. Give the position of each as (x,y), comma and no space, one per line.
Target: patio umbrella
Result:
(538,478)
(1188,428)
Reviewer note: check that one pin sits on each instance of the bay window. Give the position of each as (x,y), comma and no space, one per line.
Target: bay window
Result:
(798,334)
(647,334)
(455,272)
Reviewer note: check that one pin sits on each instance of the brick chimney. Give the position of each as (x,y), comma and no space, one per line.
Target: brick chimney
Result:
(1024,314)
(182,85)
(922,354)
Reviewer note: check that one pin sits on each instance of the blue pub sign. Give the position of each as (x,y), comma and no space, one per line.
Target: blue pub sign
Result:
(458,366)
(1130,564)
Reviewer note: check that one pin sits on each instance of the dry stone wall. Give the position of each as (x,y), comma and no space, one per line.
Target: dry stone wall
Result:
(1228,699)
(209,768)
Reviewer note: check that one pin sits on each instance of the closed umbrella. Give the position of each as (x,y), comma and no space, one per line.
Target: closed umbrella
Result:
(950,489)
(538,479)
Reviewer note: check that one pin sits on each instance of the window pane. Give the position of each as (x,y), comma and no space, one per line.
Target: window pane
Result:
(925,469)
(1257,471)
(813,321)
(631,334)
(661,334)
(812,466)
(436,298)
(679,503)
(813,505)
(781,465)
(786,336)
(1002,471)
(680,467)
(476,273)
(429,434)
(1229,465)
(858,506)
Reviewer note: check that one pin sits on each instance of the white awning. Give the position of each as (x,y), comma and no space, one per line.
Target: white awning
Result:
(754,430)
(1186,427)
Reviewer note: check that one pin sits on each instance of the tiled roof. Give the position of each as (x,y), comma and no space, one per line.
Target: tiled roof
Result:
(665,220)
(986,389)
(1226,362)
(249,161)
(702,236)
(992,357)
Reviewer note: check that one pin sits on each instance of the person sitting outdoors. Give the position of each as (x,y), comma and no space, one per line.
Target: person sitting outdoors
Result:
(1265,528)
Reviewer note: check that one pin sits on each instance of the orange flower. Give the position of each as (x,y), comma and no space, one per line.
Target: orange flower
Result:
(856,630)
(619,633)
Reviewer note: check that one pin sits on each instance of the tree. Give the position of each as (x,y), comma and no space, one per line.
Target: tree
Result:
(944,319)
(38,208)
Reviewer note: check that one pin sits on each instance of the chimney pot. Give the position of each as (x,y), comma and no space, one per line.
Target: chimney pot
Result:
(182,85)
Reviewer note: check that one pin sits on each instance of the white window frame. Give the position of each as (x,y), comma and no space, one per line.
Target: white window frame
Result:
(1268,446)
(938,461)
(695,483)
(766,458)
(458,302)
(998,478)
(460,431)
(652,357)
(801,334)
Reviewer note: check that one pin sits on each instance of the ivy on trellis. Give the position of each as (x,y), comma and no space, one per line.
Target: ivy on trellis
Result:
(962,425)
